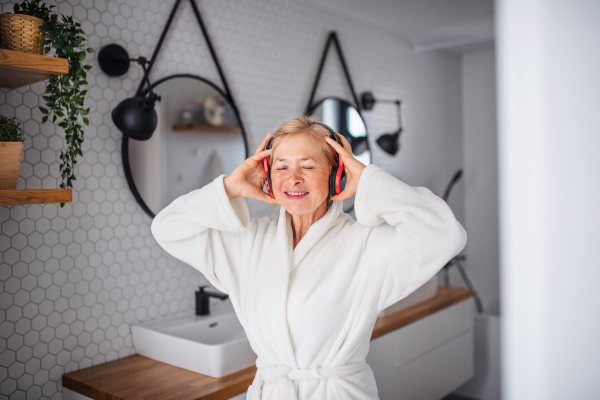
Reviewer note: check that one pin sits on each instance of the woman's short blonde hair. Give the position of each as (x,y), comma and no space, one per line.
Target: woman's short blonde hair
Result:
(309,127)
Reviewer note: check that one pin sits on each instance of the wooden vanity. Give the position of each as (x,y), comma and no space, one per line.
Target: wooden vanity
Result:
(137,377)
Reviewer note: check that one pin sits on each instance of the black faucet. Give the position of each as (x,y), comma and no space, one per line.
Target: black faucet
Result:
(202,300)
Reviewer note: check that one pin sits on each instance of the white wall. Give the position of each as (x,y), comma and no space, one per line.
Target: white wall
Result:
(549,141)
(73,279)
(478,79)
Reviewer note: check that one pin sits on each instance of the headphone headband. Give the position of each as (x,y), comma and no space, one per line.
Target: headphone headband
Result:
(332,133)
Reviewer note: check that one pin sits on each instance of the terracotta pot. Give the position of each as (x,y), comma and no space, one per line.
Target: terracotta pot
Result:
(10,161)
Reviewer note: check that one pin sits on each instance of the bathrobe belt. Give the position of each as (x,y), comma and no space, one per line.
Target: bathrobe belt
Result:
(282,376)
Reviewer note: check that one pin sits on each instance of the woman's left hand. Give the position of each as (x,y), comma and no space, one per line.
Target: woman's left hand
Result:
(352,167)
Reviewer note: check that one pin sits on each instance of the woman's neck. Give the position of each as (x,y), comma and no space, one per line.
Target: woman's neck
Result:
(301,223)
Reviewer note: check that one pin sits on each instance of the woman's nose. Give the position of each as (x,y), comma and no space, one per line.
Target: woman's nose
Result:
(296,175)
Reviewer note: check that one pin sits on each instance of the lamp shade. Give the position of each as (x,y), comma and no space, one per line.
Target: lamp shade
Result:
(389,142)
(135,117)
(359,144)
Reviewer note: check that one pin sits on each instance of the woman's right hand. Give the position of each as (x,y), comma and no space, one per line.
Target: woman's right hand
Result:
(247,180)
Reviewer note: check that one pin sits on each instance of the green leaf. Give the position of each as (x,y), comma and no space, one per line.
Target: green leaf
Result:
(86,120)
(43,110)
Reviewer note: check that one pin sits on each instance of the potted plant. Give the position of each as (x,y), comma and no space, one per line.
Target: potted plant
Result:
(64,94)
(11,151)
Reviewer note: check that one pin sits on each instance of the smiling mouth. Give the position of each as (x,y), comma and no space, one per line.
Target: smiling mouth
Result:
(296,194)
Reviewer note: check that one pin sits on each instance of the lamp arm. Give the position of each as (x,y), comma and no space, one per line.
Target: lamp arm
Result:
(399,116)
(142,61)
(387,101)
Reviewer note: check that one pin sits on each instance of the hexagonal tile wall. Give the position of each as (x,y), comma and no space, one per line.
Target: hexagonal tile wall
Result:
(73,279)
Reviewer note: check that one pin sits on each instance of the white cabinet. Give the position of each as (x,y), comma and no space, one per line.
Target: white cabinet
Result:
(427,359)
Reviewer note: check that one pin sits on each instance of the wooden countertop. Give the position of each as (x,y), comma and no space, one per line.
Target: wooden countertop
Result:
(137,377)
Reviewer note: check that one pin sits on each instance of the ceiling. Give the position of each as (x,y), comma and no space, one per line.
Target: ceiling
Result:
(425,25)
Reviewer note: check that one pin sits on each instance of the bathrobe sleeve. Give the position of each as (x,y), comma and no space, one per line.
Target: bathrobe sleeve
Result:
(206,230)
(414,233)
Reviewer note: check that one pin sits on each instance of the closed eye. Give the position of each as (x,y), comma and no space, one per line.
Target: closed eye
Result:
(282,168)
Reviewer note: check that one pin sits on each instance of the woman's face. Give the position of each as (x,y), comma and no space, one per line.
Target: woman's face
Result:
(299,166)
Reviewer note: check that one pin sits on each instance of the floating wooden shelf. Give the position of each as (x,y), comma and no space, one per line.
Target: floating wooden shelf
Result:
(35,196)
(19,69)
(207,128)
(445,297)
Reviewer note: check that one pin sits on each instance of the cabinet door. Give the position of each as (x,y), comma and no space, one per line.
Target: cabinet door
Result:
(382,359)
(438,372)
(426,359)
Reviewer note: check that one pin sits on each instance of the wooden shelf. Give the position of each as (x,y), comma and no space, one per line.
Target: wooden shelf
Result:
(445,297)
(207,128)
(35,196)
(19,69)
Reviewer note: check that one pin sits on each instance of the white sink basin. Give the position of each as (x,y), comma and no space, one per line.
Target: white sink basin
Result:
(427,291)
(214,345)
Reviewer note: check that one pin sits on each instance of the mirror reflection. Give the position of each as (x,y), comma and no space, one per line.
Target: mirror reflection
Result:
(346,120)
(198,138)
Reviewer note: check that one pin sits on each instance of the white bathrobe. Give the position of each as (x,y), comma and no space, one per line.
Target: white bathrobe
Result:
(309,312)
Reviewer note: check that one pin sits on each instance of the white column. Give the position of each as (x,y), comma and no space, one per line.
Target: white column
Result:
(548,65)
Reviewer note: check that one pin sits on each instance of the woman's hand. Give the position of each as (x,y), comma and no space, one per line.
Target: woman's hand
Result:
(352,167)
(247,180)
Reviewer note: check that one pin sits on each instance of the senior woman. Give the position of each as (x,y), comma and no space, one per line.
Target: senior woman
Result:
(308,286)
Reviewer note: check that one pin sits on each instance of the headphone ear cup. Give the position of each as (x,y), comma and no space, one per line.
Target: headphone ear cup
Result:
(332,177)
(343,180)
(270,188)
(269,184)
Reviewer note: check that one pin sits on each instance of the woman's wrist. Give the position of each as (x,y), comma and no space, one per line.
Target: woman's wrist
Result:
(229,188)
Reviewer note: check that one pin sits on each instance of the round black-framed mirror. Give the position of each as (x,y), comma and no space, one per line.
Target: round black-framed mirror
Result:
(345,119)
(224,133)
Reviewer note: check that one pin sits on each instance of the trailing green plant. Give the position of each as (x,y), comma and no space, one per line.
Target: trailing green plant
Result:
(11,129)
(65,93)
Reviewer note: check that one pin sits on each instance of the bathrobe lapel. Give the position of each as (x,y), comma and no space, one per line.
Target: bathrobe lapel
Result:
(315,233)
(269,332)
(267,302)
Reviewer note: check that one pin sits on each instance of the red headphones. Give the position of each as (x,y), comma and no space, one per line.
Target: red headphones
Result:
(337,177)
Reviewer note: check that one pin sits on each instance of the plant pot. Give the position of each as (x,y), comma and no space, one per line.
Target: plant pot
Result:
(20,32)
(10,161)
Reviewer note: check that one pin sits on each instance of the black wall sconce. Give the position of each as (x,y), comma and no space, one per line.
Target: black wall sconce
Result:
(389,142)
(135,116)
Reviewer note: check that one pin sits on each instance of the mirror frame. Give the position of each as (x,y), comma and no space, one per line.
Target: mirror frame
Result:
(226,93)
(125,139)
